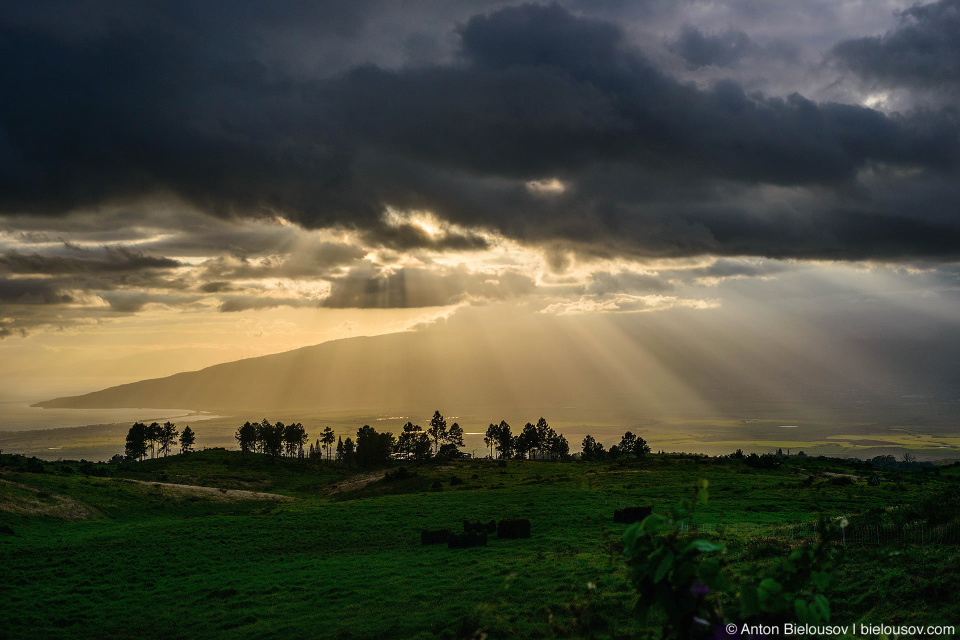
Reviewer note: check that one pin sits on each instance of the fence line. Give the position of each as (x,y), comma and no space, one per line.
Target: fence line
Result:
(864,534)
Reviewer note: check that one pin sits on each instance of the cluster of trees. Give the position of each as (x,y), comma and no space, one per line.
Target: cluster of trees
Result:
(323,449)
(160,439)
(630,446)
(272,439)
(373,448)
(536,441)
(416,444)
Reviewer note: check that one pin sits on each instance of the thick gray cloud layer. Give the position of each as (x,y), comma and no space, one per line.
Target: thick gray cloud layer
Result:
(126,101)
(702,49)
(922,52)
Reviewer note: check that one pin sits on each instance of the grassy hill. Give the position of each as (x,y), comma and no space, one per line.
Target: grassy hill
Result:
(294,549)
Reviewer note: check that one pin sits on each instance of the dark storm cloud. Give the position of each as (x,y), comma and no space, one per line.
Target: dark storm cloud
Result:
(107,260)
(33,291)
(176,101)
(922,52)
(701,49)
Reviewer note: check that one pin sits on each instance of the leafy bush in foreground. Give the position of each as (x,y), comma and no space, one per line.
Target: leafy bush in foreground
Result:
(685,576)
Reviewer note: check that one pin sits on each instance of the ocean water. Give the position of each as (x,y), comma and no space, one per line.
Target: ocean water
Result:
(20,416)
(16,414)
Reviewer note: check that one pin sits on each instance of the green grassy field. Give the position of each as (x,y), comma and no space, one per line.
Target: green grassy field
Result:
(294,549)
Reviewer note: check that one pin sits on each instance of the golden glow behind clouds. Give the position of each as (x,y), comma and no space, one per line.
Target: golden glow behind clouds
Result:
(251,287)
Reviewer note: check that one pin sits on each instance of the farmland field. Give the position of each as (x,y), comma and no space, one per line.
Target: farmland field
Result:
(297,549)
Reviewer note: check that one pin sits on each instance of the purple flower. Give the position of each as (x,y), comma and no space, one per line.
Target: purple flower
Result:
(698,589)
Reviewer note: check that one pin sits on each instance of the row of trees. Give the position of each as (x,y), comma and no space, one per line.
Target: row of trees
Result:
(630,446)
(536,442)
(272,439)
(159,439)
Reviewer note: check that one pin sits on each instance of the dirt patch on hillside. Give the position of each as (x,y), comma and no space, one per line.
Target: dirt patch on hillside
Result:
(851,476)
(183,491)
(357,482)
(25,500)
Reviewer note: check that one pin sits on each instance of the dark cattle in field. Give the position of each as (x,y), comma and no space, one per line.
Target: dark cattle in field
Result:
(480,527)
(465,540)
(511,528)
(435,536)
(630,515)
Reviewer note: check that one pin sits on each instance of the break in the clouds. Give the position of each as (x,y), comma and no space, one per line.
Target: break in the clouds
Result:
(230,156)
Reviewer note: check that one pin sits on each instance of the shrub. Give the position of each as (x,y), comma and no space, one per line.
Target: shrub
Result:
(684,575)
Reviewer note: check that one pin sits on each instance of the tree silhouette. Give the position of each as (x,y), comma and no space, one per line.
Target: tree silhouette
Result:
(340,449)
(504,440)
(490,437)
(527,441)
(627,443)
(187,439)
(153,437)
(413,442)
(246,436)
(327,441)
(168,435)
(136,445)
(560,448)
(633,445)
(437,430)
(272,437)
(641,448)
(592,450)
(544,436)
(373,449)
(294,437)
(455,435)
(349,452)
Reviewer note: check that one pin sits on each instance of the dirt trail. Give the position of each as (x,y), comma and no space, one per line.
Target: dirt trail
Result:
(356,482)
(225,495)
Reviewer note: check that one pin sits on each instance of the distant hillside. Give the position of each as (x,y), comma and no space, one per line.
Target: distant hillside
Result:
(680,368)
(385,372)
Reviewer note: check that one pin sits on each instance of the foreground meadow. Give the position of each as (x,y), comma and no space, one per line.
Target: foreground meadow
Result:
(217,544)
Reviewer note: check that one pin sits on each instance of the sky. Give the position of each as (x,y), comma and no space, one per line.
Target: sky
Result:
(188,183)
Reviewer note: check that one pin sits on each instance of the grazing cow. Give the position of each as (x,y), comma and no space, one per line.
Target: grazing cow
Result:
(630,515)
(512,528)
(434,536)
(466,540)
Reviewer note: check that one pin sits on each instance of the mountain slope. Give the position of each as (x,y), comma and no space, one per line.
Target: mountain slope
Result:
(685,368)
